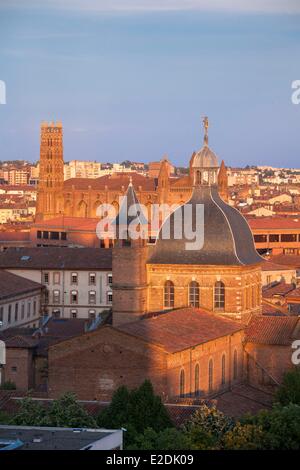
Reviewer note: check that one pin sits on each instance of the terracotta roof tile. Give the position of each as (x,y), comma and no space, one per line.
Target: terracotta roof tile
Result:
(113,182)
(11,285)
(180,329)
(280,289)
(273,330)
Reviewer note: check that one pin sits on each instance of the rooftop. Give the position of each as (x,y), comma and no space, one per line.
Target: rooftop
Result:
(276,330)
(57,258)
(112,182)
(280,223)
(12,285)
(180,329)
(54,438)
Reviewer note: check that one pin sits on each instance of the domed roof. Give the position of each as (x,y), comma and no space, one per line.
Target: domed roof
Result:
(228,239)
(205,158)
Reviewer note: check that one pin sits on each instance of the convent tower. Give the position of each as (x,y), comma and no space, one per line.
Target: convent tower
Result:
(51,178)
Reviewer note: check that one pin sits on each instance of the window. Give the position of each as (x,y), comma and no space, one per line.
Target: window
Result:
(92,279)
(38,234)
(74,297)
(28,309)
(109,297)
(223,369)
(46,278)
(102,243)
(56,278)
(56,313)
(92,314)
(14,369)
(22,311)
(274,237)
(197,378)
(63,235)
(56,296)
(288,237)
(235,365)
(92,297)
(210,375)
(46,296)
(9,314)
(46,235)
(73,313)
(182,384)
(34,307)
(74,278)
(1,316)
(219,295)
(260,238)
(16,311)
(194,294)
(169,294)
(54,235)
(109,278)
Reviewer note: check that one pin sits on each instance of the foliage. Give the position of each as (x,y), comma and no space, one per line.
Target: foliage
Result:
(281,426)
(289,391)
(135,411)
(8,385)
(64,412)
(4,418)
(167,439)
(244,437)
(210,420)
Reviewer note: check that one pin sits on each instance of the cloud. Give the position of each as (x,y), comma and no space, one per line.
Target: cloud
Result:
(242,6)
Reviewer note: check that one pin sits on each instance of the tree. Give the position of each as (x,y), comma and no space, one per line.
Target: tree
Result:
(64,412)
(281,426)
(135,411)
(210,423)
(289,391)
(244,437)
(167,439)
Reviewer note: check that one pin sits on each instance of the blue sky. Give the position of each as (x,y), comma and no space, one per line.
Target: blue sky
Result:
(131,79)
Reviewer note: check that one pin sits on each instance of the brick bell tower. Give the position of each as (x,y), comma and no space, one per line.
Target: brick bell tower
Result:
(129,271)
(51,178)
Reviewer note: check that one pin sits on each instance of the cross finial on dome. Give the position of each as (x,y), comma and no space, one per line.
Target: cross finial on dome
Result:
(205,125)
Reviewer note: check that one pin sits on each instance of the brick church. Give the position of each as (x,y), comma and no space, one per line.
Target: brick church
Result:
(189,320)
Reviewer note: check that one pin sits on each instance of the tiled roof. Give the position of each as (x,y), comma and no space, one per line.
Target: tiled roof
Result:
(271,266)
(69,223)
(272,330)
(290,260)
(14,236)
(274,310)
(279,289)
(57,258)
(294,293)
(180,329)
(113,182)
(274,223)
(12,285)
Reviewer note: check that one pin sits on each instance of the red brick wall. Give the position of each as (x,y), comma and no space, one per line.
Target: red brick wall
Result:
(21,359)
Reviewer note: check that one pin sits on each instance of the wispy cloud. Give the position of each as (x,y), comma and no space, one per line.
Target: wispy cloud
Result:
(246,6)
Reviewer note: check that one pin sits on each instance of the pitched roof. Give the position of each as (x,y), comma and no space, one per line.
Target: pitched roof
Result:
(274,223)
(70,223)
(113,182)
(57,258)
(180,329)
(12,285)
(272,330)
(271,266)
(281,288)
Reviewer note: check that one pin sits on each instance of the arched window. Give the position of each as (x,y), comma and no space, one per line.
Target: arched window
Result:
(210,375)
(194,294)
(253,297)
(235,365)
(197,380)
(182,384)
(169,294)
(219,295)
(223,369)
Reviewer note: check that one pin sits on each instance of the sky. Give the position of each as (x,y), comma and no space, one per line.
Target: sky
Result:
(132,79)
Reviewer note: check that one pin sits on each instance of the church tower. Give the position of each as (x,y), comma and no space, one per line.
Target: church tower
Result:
(51,178)
(129,256)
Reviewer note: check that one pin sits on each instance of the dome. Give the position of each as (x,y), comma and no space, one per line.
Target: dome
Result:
(205,158)
(228,239)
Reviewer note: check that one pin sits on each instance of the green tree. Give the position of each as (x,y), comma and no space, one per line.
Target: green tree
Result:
(208,424)
(67,412)
(30,413)
(289,391)
(135,411)
(244,437)
(281,426)
(167,439)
